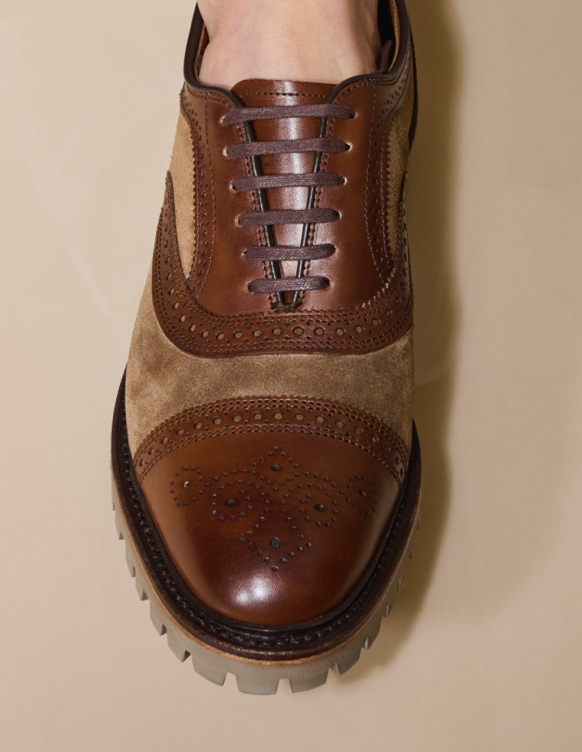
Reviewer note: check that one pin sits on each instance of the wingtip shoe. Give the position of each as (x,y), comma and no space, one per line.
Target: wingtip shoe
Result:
(266,466)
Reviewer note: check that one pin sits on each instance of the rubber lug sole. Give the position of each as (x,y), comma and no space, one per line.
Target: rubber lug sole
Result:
(259,678)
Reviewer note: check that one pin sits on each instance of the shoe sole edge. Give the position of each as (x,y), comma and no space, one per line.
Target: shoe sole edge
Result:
(253,676)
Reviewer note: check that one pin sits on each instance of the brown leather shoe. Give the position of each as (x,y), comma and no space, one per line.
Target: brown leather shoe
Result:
(266,467)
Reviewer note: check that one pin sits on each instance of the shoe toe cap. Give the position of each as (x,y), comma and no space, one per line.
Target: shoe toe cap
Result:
(272,528)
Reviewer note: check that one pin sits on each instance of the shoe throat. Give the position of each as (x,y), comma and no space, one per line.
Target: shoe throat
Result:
(288,134)
(286,127)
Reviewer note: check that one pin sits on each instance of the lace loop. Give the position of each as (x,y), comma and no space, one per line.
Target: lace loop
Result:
(291,146)
(288,217)
(288,180)
(288,284)
(290,253)
(246,114)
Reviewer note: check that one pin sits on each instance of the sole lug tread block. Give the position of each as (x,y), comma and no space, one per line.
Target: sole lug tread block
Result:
(140,587)
(178,645)
(211,673)
(372,633)
(157,618)
(305,684)
(142,595)
(257,685)
(120,535)
(118,525)
(129,560)
(349,659)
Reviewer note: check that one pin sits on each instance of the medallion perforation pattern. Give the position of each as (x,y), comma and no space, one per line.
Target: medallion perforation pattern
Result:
(273,506)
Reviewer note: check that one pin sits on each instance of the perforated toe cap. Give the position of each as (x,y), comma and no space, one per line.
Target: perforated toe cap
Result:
(272,511)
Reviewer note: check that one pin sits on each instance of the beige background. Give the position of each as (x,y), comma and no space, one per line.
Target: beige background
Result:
(483,650)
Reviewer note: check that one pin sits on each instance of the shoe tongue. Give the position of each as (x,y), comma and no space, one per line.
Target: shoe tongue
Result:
(259,92)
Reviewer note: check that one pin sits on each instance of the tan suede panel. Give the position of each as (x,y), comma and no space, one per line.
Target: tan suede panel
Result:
(397,151)
(182,171)
(162,380)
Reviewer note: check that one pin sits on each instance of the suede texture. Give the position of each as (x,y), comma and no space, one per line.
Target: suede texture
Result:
(162,380)
(182,168)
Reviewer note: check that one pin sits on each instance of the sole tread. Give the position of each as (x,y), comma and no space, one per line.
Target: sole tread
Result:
(251,678)
(209,672)
(255,676)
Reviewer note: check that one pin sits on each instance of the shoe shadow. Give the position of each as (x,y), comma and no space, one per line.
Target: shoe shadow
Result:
(430,200)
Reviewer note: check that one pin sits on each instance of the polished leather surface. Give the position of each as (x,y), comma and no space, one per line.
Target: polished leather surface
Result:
(271,508)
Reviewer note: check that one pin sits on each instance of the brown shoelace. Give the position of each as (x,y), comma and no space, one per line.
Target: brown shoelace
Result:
(278,285)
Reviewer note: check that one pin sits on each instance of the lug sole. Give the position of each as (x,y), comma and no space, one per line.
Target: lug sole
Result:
(255,676)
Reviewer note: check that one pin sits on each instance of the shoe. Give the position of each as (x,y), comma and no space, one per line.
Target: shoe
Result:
(265,462)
